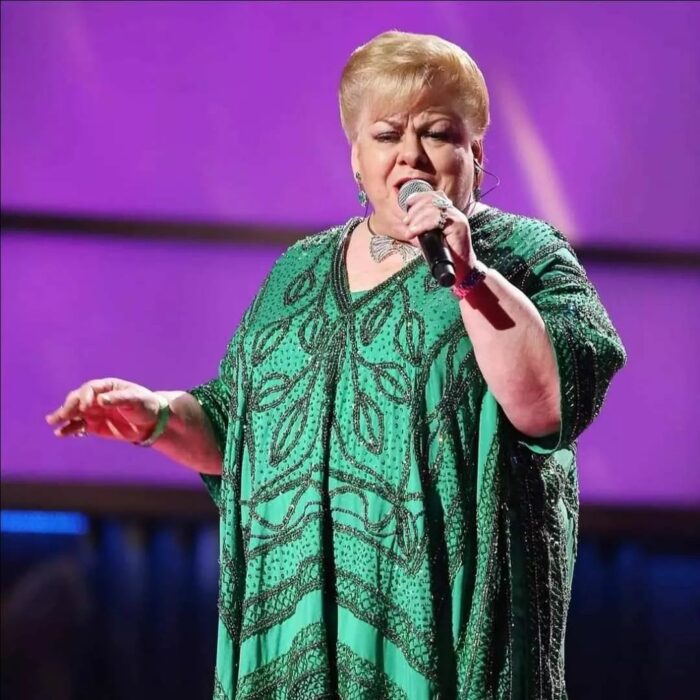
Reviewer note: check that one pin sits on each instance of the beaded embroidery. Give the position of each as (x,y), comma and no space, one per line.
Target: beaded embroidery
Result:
(367,468)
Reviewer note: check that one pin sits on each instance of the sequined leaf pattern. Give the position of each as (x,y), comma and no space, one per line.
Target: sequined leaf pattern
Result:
(452,363)
(368,422)
(407,533)
(288,431)
(271,391)
(313,330)
(373,322)
(392,381)
(410,337)
(300,286)
(268,338)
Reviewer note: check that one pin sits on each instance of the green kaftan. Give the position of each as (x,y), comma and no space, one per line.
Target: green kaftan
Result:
(385,532)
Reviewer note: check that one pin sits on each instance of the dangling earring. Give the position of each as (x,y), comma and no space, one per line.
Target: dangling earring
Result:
(361,195)
(476,193)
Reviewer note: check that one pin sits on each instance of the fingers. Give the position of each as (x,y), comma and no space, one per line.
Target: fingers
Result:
(424,215)
(79,400)
(76,427)
(426,198)
(66,411)
(116,427)
(80,428)
(426,220)
(420,202)
(107,408)
(86,397)
(121,397)
(89,391)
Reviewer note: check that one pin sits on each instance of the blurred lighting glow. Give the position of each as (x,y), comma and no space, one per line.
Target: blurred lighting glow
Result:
(43,522)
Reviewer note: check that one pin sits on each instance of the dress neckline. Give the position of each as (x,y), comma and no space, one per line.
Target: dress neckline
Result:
(349,300)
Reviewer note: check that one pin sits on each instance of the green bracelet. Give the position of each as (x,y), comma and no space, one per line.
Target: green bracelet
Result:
(163,416)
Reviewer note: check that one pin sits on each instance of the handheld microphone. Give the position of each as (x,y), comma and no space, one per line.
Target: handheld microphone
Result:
(432,243)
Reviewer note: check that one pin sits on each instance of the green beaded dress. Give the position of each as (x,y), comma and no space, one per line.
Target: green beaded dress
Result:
(385,532)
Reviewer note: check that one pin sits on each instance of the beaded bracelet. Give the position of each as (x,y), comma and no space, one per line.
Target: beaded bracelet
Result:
(464,288)
(163,416)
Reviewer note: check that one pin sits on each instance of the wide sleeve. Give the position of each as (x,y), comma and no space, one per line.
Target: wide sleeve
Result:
(215,398)
(587,348)
(222,398)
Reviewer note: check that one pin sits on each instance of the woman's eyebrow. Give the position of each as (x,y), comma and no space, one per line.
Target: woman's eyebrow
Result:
(422,124)
(434,119)
(388,120)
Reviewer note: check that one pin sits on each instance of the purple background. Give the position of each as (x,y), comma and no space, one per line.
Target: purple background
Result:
(228,113)
(160,313)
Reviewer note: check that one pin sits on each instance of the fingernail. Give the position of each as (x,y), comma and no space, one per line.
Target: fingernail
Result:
(106,399)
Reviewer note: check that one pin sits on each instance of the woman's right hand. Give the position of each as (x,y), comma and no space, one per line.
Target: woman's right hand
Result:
(109,408)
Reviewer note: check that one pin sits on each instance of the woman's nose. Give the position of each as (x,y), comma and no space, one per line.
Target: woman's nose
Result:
(411,151)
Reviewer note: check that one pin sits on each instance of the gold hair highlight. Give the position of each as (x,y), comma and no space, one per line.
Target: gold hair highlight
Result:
(399,70)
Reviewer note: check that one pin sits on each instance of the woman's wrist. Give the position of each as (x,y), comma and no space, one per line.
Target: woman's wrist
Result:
(471,278)
(164,413)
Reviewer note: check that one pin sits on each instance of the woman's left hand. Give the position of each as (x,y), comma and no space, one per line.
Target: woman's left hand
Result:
(424,216)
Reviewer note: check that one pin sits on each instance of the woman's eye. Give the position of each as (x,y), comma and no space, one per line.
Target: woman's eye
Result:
(393,136)
(439,135)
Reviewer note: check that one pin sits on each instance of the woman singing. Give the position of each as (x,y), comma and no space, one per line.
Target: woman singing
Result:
(394,461)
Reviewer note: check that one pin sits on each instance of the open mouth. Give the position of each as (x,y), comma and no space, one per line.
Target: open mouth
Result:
(400,183)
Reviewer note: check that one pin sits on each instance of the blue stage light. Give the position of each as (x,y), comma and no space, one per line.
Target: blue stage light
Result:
(43,522)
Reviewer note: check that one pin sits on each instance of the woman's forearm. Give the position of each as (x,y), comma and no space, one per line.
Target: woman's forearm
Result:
(514,354)
(189,437)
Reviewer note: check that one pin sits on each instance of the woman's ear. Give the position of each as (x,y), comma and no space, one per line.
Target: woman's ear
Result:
(354,160)
(478,153)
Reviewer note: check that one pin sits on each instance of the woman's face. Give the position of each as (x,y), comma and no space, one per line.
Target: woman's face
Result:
(432,144)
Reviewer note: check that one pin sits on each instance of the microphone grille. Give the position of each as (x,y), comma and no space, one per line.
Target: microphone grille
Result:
(411,187)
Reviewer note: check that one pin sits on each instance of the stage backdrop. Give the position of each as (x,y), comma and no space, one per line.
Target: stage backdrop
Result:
(161,313)
(227,112)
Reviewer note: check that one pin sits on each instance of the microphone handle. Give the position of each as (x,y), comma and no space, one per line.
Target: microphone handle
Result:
(438,257)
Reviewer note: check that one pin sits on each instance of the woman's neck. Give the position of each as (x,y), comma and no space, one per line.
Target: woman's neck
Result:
(381,228)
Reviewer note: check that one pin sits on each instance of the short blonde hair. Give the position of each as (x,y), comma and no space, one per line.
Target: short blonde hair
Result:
(402,70)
